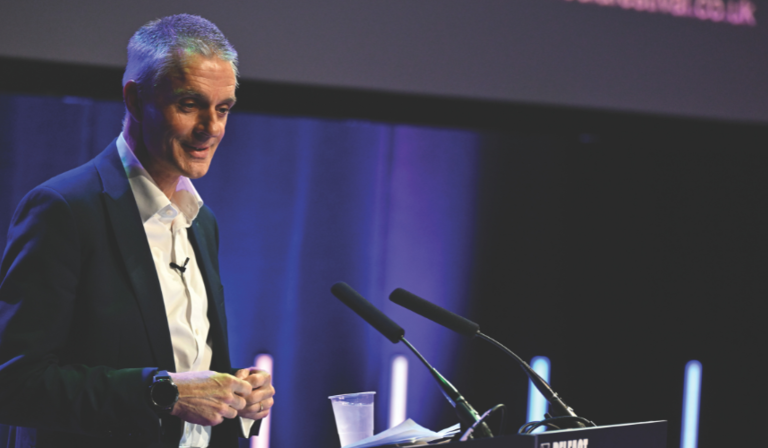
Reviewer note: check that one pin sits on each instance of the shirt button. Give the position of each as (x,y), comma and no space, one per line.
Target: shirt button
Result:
(197,331)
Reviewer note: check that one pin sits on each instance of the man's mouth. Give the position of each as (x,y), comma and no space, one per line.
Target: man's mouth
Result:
(196,151)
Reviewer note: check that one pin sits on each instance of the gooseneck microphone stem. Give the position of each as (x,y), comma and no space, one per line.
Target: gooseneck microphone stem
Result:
(468,416)
(559,408)
(450,392)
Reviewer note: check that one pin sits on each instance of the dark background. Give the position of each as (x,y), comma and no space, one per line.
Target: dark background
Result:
(619,244)
(628,256)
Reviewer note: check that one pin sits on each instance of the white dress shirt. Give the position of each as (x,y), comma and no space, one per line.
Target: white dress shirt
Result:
(186,304)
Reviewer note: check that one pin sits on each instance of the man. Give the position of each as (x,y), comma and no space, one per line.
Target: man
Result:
(112,322)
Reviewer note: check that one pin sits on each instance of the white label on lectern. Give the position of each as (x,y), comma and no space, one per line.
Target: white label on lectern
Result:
(578,443)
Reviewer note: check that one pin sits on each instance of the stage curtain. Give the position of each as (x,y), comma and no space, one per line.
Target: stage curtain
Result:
(303,203)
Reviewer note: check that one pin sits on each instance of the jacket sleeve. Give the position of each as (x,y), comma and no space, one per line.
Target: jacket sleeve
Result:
(40,277)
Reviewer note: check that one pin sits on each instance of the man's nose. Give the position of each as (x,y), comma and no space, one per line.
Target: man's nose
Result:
(210,124)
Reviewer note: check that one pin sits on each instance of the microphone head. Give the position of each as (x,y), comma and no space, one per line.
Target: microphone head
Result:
(367,311)
(434,313)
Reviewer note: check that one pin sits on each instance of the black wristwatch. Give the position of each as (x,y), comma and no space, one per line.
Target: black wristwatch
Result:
(163,393)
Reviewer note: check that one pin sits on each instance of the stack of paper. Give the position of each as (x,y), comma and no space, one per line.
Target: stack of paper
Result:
(406,433)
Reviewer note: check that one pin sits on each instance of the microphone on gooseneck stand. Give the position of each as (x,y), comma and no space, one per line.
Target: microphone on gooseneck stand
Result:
(564,414)
(378,320)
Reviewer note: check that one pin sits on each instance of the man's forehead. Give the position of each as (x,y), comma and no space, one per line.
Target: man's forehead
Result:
(198,62)
(200,77)
(186,91)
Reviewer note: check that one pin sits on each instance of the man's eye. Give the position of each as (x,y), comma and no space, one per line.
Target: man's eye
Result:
(188,104)
(224,110)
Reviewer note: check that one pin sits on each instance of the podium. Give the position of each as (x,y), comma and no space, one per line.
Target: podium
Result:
(629,435)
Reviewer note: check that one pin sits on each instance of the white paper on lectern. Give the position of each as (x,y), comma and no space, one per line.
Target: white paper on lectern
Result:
(406,432)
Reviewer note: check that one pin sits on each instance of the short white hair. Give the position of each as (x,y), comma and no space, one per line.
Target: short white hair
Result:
(162,45)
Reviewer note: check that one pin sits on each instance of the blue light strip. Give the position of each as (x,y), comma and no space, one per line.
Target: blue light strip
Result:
(537,404)
(689,435)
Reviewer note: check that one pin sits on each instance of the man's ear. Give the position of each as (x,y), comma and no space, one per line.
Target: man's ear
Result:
(132,99)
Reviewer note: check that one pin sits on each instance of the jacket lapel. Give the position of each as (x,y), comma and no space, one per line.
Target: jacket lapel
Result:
(132,242)
(216,313)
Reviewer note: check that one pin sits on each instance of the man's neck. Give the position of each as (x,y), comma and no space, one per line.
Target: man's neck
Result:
(165,182)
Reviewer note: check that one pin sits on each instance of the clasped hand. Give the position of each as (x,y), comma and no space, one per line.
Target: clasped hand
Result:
(207,398)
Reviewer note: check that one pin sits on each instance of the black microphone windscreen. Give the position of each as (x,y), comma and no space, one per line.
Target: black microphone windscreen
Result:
(367,311)
(434,313)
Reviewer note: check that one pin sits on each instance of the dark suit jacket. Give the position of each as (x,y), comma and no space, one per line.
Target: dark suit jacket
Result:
(82,318)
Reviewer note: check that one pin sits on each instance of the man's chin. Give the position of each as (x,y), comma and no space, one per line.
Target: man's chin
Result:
(197,174)
(196,170)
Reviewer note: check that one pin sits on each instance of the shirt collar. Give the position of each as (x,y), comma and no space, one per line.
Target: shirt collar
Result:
(149,198)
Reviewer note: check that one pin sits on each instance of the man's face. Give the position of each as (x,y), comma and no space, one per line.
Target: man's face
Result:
(185,116)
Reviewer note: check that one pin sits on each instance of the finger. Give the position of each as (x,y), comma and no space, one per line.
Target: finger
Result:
(253,397)
(236,402)
(258,410)
(264,407)
(242,374)
(258,378)
(261,394)
(228,412)
(258,395)
(240,387)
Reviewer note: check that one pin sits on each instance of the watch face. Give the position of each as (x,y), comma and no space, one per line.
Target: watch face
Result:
(164,393)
